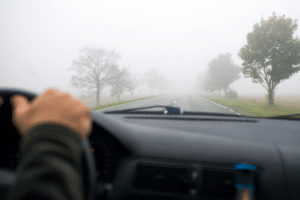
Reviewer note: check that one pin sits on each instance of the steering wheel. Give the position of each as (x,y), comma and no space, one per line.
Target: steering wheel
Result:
(11,142)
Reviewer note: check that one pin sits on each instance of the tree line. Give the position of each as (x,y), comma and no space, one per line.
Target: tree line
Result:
(271,55)
(97,69)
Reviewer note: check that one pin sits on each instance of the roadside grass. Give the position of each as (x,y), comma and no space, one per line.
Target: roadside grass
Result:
(117,103)
(257,108)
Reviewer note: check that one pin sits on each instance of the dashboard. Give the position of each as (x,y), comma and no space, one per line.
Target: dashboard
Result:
(193,157)
(151,156)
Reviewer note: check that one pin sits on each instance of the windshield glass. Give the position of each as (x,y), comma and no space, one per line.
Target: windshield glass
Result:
(235,57)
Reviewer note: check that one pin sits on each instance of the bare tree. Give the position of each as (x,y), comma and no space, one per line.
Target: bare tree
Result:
(92,67)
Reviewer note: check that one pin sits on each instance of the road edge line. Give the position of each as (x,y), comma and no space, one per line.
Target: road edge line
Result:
(221,106)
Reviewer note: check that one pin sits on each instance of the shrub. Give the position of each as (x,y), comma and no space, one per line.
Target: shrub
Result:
(232,94)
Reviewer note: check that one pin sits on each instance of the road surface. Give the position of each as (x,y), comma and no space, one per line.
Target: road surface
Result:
(191,102)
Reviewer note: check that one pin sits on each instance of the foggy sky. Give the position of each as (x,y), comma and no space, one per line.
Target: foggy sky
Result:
(39,39)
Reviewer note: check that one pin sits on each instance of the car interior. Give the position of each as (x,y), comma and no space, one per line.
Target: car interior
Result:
(176,155)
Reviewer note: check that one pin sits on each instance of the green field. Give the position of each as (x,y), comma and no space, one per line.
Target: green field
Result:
(257,107)
(115,104)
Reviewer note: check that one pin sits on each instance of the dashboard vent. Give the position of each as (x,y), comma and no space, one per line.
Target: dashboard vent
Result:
(161,178)
(217,184)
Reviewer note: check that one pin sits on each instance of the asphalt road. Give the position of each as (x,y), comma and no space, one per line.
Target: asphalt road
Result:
(190,102)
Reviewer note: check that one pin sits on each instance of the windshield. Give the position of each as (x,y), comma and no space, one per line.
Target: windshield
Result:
(232,56)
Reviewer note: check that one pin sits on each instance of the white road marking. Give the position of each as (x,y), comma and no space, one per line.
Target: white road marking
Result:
(174,101)
(221,106)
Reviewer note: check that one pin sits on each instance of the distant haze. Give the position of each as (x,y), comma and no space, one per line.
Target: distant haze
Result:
(39,39)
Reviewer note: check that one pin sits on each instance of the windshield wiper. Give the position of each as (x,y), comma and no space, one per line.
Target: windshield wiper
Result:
(168,110)
(212,114)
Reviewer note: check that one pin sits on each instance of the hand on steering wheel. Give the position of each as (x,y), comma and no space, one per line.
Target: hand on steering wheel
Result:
(26,109)
(52,106)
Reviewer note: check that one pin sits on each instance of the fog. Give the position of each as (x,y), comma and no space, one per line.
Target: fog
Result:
(40,39)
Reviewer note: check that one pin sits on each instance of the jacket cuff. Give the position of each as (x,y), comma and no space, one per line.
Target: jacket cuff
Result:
(52,132)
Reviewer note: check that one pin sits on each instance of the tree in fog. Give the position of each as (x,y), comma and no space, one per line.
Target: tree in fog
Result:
(92,67)
(119,81)
(134,82)
(203,82)
(221,73)
(152,78)
(209,83)
(271,54)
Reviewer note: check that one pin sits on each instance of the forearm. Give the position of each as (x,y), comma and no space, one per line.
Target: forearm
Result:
(50,166)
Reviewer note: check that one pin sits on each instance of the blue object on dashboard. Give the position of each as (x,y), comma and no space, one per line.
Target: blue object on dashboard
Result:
(245,167)
(173,110)
(244,185)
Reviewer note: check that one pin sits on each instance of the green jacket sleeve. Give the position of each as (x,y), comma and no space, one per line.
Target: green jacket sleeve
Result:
(50,165)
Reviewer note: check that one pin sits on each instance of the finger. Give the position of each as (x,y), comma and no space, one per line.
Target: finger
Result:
(78,106)
(83,111)
(19,104)
(87,127)
(83,118)
(63,96)
(54,94)
(88,114)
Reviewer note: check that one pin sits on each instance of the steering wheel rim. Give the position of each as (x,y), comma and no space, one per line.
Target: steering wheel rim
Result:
(8,176)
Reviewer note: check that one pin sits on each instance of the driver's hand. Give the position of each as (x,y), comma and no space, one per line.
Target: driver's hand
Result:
(52,106)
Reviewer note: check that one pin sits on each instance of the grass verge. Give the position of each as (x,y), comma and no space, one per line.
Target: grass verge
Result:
(255,108)
(117,103)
